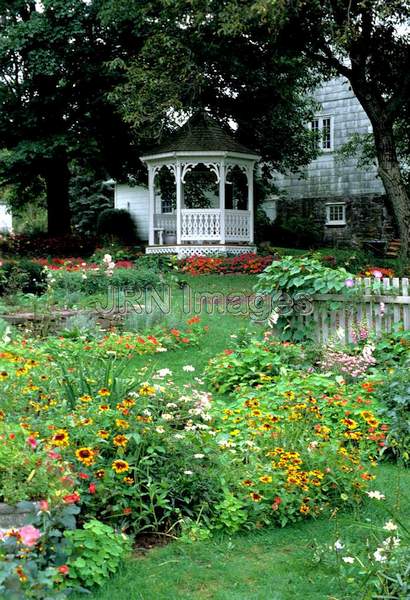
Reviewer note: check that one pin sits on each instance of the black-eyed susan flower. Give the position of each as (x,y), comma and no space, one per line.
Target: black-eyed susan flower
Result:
(120,440)
(146,390)
(120,466)
(103,407)
(60,438)
(122,424)
(256,497)
(104,392)
(103,434)
(128,480)
(85,398)
(100,474)
(86,456)
(265,479)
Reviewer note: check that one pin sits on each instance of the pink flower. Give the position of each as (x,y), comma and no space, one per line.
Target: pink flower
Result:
(43,505)
(29,535)
(377,274)
(349,283)
(31,441)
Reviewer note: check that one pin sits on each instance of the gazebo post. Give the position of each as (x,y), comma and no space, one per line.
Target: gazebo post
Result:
(179,200)
(151,204)
(222,199)
(250,201)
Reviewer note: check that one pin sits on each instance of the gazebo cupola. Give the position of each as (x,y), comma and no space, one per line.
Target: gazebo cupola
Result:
(226,225)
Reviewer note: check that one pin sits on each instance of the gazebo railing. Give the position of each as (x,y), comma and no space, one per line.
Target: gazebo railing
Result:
(167,222)
(237,225)
(205,224)
(200,224)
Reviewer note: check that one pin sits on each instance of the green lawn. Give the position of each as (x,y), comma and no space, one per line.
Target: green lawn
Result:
(274,564)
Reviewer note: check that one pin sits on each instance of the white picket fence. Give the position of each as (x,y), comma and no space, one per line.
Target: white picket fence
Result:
(379,309)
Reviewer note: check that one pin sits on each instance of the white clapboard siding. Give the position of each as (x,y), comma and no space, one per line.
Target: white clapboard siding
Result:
(381,309)
(135,200)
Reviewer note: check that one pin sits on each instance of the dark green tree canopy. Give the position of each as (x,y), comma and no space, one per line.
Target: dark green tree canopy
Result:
(192,61)
(53,106)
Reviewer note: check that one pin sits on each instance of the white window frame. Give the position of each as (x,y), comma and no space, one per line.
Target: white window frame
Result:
(320,118)
(329,220)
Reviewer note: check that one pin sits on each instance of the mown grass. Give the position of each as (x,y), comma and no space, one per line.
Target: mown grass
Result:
(272,564)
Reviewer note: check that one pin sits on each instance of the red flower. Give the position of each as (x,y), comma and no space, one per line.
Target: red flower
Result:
(83,476)
(64,569)
(72,498)
(92,488)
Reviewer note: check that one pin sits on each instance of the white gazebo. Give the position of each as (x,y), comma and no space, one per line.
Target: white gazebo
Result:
(200,231)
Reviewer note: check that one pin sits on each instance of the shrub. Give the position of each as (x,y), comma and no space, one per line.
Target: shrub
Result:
(44,245)
(94,553)
(395,397)
(254,363)
(96,281)
(23,276)
(116,224)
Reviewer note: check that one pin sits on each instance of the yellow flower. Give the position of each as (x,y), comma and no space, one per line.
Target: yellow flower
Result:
(235,432)
(265,479)
(128,480)
(85,398)
(103,434)
(103,392)
(146,390)
(120,466)
(60,438)
(122,424)
(86,456)
(120,440)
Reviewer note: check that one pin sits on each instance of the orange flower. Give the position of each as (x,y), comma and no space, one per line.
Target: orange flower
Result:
(60,438)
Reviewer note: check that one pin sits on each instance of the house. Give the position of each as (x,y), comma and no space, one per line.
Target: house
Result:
(6,225)
(347,203)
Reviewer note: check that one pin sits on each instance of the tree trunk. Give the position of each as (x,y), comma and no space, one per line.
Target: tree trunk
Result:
(389,166)
(57,178)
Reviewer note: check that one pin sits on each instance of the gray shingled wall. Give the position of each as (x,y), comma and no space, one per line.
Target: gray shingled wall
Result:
(327,176)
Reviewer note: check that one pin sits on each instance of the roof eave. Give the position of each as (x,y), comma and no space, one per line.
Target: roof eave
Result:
(198,154)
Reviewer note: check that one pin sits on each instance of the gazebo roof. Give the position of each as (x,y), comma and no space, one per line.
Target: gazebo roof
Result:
(200,133)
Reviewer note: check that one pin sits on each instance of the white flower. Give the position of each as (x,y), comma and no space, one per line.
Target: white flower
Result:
(171,405)
(83,276)
(233,336)
(312,446)
(179,436)
(391,542)
(161,349)
(188,368)
(167,417)
(338,545)
(379,556)
(390,526)
(273,319)
(159,429)
(188,472)
(376,495)
(199,455)
(164,372)
(107,258)
(348,559)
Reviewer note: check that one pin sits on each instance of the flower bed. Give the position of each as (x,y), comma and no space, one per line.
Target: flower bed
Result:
(244,263)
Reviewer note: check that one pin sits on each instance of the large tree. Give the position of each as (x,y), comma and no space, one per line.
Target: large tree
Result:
(53,107)
(191,61)
(366,41)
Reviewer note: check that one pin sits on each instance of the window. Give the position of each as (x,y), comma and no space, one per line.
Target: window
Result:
(323,127)
(166,206)
(336,214)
